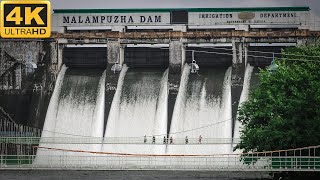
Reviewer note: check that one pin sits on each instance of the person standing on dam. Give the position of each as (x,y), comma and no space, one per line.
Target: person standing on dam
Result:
(171,140)
(145,139)
(153,139)
(186,139)
(200,140)
(164,140)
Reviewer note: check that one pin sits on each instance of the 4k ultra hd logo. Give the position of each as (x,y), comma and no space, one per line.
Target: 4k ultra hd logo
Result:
(25,19)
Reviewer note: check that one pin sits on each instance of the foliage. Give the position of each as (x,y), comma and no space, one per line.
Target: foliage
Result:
(284,110)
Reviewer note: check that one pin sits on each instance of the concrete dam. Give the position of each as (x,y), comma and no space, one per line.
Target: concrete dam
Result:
(140,106)
(132,95)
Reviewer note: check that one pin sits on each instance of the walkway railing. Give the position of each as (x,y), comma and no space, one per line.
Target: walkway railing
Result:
(109,162)
(301,159)
(8,128)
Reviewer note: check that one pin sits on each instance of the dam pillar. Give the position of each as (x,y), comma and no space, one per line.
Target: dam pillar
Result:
(237,77)
(55,58)
(60,45)
(183,58)
(60,56)
(115,53)
(176,57)
(121,54)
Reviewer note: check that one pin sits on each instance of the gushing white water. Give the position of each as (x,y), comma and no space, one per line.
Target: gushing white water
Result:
(53,105)
(162,106)
(201,113)
(180,106)
(76,110)
(140,108)
(244,96)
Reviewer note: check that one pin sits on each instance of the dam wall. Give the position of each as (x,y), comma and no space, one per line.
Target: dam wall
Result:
(28,70)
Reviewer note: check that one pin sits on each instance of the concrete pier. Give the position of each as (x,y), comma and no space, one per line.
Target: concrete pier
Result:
(115,53)
(176,57)
(237,78)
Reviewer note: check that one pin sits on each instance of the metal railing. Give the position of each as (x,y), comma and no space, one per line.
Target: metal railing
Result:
(9,128)
(109,162)
(43,155)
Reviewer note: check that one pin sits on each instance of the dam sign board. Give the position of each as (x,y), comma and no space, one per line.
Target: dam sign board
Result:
(108,19)
(268,17)
(192,16)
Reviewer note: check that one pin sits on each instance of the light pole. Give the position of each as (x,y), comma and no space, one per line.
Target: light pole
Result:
(194,65)
(273,66)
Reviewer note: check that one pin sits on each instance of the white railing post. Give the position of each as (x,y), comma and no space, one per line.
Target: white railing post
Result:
(309,156)
(1,163)
(314,158)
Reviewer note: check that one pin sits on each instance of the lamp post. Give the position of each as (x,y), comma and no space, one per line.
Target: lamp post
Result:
(116,67)
(273,66)
(194,65)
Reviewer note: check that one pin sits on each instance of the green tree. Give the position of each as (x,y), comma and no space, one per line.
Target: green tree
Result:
(284,110)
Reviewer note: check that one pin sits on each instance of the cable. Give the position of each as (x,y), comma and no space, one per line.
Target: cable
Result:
(7,114)
(230,49)
(266,52)
(170,155)
(255,56)
(152,135)
(202,126)
(266,57)
(67,134)
(208,52)
(194,128)
(263,52)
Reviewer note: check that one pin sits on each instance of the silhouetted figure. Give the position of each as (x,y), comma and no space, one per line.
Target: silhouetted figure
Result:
(171,140)
(164,140)
(200,139)
(153,139)
(187,140)
(145,139)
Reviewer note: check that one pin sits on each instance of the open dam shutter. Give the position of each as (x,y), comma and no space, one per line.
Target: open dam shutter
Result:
(85,57)
(147,57)
(179,17)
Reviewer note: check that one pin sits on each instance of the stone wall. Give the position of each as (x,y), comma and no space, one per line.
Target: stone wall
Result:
(27,79)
